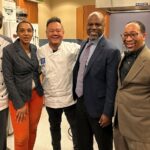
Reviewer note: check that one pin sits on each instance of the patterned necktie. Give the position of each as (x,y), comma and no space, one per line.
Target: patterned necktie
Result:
(83,61)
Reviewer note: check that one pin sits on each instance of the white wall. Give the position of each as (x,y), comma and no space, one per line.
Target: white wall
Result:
(44,12)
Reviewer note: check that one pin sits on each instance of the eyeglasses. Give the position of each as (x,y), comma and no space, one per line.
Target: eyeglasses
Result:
(132,35)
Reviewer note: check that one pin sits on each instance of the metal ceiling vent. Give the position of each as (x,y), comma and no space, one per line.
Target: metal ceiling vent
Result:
(116,6)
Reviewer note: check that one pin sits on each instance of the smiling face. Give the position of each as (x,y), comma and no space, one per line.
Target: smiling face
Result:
(95,25)
(25,32)
(132,37)
(55,34)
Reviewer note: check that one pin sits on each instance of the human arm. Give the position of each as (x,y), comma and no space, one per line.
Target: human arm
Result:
(111,87)
(8,72)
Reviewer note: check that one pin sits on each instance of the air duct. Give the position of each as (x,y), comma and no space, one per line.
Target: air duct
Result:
(115,6)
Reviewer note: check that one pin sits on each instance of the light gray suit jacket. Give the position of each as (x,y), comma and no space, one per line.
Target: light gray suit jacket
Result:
(133,100)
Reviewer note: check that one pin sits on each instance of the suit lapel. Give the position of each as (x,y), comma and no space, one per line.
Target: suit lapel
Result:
(119,81)
(98,50)
(82,48)
(33,55)
(23,54)
(136,68)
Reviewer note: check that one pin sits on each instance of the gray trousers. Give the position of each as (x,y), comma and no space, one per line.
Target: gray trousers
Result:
(3,129)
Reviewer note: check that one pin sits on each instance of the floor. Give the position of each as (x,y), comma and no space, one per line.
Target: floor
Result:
(43,140)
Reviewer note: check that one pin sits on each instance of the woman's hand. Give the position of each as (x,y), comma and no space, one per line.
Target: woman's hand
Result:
(21,113)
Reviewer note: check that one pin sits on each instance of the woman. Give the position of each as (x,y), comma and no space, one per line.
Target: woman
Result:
(20,69)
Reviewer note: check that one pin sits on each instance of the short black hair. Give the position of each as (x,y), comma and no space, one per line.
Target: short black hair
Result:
(24,21)
(142,26)
(53,19)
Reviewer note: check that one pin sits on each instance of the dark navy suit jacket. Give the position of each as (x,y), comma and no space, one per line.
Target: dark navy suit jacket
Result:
(19,70)
(100,79)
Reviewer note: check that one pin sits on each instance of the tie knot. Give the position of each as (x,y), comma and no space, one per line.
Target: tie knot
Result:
(89,44)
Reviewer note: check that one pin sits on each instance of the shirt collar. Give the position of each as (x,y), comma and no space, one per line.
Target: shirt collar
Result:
(134,53)
(95,41)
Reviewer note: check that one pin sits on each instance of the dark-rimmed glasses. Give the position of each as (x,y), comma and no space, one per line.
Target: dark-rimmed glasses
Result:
(132,35)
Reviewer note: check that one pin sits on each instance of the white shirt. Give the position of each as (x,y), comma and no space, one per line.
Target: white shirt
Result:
(3,90)
(57,69)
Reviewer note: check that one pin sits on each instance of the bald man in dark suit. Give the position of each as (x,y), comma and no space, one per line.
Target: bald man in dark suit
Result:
(94,86)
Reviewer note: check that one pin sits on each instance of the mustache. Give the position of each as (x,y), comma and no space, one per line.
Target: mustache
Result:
(126,42)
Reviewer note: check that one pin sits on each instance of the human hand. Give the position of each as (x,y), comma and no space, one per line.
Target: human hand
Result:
(21,113)
(104,120)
